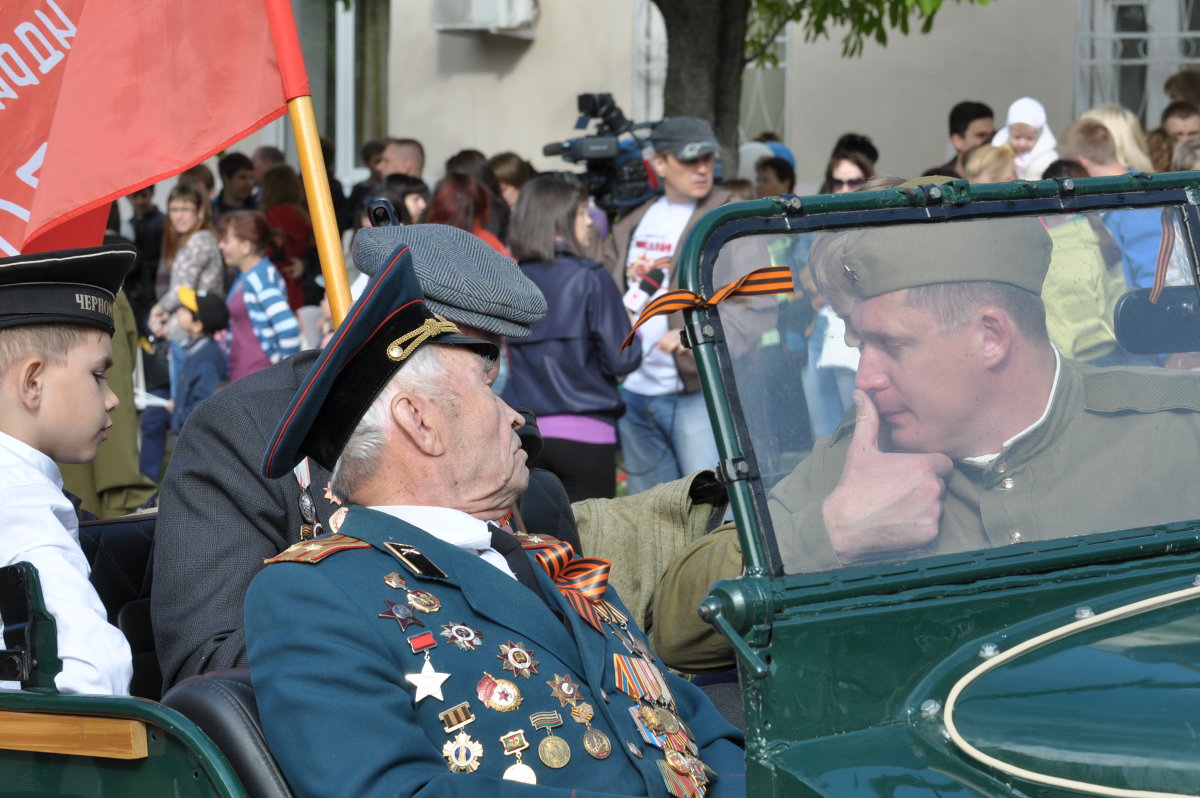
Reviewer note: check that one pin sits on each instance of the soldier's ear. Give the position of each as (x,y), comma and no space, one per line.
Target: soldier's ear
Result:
(29,378)
(994,330)
(415,417)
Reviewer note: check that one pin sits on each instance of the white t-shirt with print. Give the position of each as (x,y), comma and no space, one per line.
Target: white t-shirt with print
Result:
(652,246)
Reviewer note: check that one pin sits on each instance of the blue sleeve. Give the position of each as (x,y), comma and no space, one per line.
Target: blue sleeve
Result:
(1138,231)
(279,333)
(203,383)
(608,322)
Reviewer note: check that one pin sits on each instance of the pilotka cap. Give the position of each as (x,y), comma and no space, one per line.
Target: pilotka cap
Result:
(73,286)
(879,260)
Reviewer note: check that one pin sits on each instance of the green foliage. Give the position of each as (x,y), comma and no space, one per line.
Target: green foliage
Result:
(862,19)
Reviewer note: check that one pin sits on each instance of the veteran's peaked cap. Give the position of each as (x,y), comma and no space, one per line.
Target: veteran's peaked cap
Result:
(381,331)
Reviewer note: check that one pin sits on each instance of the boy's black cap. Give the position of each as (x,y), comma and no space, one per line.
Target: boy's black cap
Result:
(209,308)
(71,286)
(381,330)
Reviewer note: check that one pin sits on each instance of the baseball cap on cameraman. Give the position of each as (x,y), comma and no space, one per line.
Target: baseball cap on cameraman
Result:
(209,308)
(685,137)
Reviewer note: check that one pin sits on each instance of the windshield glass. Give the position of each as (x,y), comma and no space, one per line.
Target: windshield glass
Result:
(998,405)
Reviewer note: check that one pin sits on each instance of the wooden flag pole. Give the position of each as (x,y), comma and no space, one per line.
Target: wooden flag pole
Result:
(320,206)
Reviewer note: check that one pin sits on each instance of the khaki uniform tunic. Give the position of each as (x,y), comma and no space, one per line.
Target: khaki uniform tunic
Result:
(1117,450)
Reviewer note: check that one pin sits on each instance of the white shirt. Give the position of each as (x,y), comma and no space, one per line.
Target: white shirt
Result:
(38,525)
(652,246)
(454,527)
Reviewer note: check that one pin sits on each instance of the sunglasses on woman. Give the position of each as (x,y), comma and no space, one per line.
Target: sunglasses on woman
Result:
(852,183)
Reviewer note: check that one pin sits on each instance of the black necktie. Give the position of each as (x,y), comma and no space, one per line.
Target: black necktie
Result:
(510,548)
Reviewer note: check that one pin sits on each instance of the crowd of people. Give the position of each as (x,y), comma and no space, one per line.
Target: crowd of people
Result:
(499,288)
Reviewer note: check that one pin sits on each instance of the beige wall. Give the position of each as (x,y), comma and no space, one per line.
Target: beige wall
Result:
(901,95)
(491,93)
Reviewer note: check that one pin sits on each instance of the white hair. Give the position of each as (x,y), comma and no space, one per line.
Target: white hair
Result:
(422,373)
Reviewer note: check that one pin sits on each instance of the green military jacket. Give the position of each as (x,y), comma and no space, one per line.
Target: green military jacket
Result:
(1114,452)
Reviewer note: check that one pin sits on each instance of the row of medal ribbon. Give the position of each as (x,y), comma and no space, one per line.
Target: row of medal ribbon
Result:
(684,775)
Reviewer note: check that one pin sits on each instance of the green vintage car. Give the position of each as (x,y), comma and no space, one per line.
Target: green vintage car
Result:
(1057,654)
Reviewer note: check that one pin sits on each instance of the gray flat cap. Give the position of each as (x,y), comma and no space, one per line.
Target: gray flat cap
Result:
(462,277)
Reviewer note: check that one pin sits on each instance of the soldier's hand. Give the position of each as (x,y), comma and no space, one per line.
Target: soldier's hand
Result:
(884,501)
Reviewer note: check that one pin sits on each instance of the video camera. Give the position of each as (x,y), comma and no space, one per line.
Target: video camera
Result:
(616,174)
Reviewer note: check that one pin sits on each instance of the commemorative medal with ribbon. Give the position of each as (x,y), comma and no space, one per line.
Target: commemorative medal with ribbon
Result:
(595,742)
(462,753)
(553,751)
(514,743)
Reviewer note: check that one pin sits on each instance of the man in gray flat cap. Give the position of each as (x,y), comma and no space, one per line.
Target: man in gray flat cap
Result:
(665,432)
(219,518)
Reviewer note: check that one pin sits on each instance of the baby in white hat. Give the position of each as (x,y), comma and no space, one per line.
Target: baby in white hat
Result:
(1025,131)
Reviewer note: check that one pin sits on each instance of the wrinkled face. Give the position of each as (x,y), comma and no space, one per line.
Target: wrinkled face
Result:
(1182,128)
(924,382)
(585,228)
(685,181)
(239,185)
(768,184)
(184,216)
(487,459)
(1022,137)
(846,177)
(978,132)
(76,402)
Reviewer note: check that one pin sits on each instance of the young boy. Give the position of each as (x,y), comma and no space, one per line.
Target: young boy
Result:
(56,326)
(204,367)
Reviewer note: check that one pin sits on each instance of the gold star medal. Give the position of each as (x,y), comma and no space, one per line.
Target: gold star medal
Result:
(462,753)
(514,743)
(428,682)
(516,658)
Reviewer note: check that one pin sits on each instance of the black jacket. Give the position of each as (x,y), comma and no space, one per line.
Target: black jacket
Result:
(569,364)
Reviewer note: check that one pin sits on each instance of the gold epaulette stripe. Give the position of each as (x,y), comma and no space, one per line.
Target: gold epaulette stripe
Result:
(313,551)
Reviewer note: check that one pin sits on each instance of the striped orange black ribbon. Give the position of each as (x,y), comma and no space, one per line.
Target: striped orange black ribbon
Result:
(581,580)
(760,282)
(1165,247)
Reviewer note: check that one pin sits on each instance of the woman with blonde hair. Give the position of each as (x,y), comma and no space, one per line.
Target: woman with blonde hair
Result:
(1133,152)
(989,163)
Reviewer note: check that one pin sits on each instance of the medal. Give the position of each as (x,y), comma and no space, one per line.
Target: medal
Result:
(462,636)
(329,493)
(667,720)
(642,717)
(308,508)
(456,717)
(335,520)
(306,532)
(498,694)
(595,742)
(514,743)
(565,690)
(514,657)
(428,682)
(462,753)
(553,751)
(401,614)
(420,600)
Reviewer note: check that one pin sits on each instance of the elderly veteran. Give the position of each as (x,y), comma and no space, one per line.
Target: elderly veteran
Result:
(219,518)
(970,429)
(422,649)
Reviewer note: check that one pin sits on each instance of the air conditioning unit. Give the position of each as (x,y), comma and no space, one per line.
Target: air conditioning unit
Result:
(502,17)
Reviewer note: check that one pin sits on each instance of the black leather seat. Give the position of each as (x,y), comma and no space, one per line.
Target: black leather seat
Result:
(222,704)
(120,552)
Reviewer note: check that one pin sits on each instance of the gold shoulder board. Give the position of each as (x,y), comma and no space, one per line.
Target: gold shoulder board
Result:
(313,551)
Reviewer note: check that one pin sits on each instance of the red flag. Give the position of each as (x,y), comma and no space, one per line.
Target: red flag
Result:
(101,97)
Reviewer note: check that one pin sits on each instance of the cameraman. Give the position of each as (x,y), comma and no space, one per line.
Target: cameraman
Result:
(665,432)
